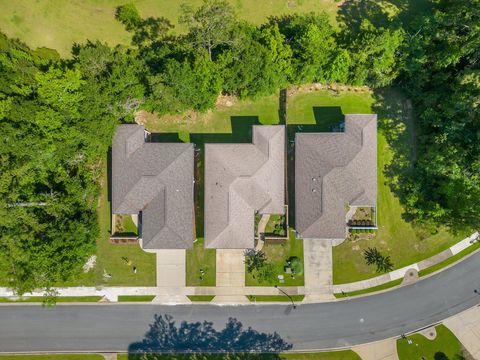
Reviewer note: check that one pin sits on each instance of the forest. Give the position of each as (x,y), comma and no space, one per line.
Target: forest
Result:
(58,115)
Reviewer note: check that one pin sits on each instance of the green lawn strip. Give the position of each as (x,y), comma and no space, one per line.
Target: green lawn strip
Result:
(135,298)
(53,357)
(275,298)
(370,290)
(201,297)
(395,237)
(277,255)
(199,258)
(450,260)
(422,348)
(60,24)
(333,355)
(59,299)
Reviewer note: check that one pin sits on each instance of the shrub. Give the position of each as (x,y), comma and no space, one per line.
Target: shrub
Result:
(128,15)
(296,265)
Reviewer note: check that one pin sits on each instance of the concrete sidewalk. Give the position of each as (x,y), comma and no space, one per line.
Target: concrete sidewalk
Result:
(466,327)
(382,350)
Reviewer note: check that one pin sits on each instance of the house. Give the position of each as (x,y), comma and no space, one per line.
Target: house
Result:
(240,181)
(154,181)
(335,174)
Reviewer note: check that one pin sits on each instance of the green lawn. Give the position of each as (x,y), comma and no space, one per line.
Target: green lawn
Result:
(277,255)
(199,258)
(275,298)
(370,290)
(59,299)
(395,237)
(424,349)
(201,297)
(58,24)
(450,260)
(53,357)
(135,298)
(335,355)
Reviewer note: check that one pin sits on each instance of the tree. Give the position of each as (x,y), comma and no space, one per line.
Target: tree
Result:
(371,255)
(255,260)
(210,25)
(128,15)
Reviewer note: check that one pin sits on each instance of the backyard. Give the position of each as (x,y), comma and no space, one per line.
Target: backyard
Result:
(59,24)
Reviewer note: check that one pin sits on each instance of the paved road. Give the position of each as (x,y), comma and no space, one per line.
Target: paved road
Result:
(314,326)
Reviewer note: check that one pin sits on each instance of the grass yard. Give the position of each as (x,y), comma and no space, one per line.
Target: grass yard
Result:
(277,255)
(395,236)
(423,349)
(53,357)
(370,290)
(199,258)
(335,355)
(59,299)
(276,225)
(58,24)
(275,298)
(207,298)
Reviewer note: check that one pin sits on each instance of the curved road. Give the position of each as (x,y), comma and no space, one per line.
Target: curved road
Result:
(309,327)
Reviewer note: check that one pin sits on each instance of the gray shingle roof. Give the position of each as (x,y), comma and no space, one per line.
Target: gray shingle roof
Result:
(239,180)
(155,179)
(332,170)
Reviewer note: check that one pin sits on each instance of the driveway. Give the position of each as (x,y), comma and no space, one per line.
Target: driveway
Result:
(309,327)
(171,267)
(318,269)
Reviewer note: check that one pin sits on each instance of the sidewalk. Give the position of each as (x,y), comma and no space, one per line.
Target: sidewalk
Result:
(400,273)
(466,327)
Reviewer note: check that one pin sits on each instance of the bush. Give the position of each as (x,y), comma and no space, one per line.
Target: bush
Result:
(128,15)
(296,265)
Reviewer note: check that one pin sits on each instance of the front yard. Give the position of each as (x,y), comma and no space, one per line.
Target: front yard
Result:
(201,265)
(278,256)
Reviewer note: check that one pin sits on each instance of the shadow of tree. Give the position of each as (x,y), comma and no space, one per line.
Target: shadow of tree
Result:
(165,336)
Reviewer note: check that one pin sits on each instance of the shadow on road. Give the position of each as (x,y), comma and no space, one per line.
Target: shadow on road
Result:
(165,340)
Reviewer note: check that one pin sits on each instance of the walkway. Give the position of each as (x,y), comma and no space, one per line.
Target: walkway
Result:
(382,350)
(318,269)
(400,273)
(466,327)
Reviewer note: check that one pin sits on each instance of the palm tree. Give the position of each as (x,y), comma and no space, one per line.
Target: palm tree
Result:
(372,256)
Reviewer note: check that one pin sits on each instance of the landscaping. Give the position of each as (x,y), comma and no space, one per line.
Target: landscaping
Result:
(201,265)
(444,347)
(279,257)
(205,298)
(124,226)
(276,226)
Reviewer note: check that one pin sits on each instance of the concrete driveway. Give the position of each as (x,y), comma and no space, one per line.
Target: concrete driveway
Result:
(171,267)
(318,269)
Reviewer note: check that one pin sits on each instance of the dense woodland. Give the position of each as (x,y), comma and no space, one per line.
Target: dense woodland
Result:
(58,116)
